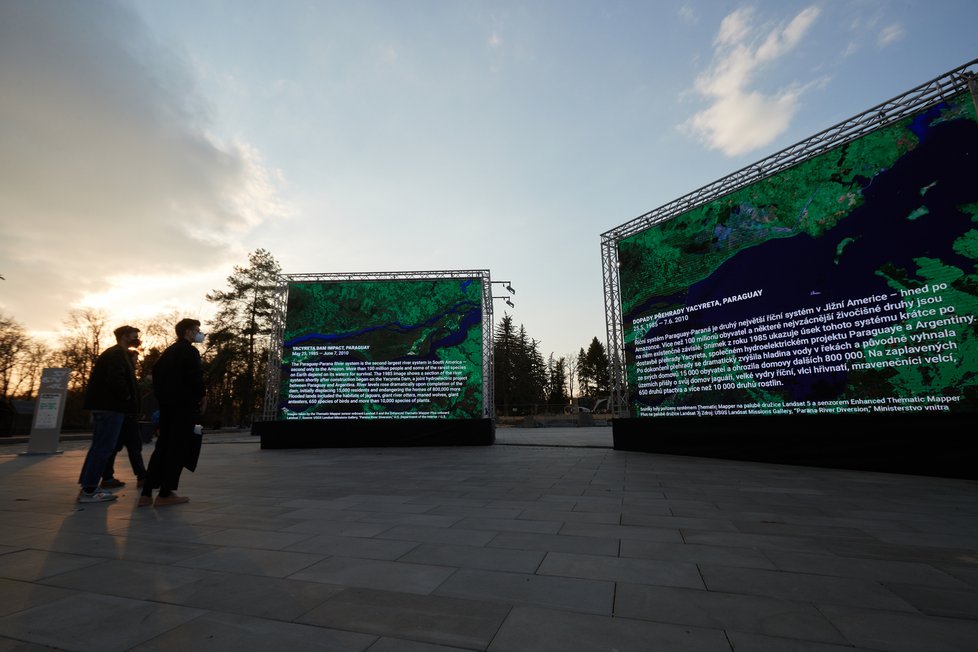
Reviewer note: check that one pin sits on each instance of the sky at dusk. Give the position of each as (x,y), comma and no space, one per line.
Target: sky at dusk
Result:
(147,147)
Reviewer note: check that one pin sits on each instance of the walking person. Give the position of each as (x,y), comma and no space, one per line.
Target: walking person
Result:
(178,384)
(130,439)
(111,394)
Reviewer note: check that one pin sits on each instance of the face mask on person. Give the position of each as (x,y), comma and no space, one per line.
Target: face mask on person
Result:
(135,343)
(199,338)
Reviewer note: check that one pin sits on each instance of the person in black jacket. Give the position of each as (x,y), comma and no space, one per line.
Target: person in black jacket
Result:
(178,384)
(111,394)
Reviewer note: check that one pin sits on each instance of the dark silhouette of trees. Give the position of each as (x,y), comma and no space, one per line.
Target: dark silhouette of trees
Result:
(525,383)
(14,345)
(593,371)
(556,381)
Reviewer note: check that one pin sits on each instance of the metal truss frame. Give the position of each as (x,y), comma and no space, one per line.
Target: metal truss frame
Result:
(275,349)
(951,84)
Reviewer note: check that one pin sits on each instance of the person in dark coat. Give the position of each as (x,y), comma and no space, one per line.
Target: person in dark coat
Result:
(111,394)
(178,385)
(130,439)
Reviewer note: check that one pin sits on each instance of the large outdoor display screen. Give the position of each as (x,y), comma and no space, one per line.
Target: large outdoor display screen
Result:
(387,349)
(847,283)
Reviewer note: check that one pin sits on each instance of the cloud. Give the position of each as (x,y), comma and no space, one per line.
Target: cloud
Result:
(688,15)
(740,118)
(890,34)
(107,169)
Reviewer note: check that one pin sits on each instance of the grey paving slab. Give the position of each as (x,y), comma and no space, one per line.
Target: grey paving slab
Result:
(18,596)
(321,514)
(454,535)
(937,601)
(127,579)
(965,573)
(252,561)
(882,570)
(428,619)
(677,522)
(590,596)
(897,552)
(350,546)
(39,564)
(616,569)
(726,611)
(250,595)
(32,520)
(11,535)
(801,586)
(421,520)
(903,632)
(386,644)
(555,542)
(622,532)
(237,520)
(342,528)
(695,553)
(243,538)
(820,531)
(510,525)
(516,561)
(758,541)
(92,622)
(175,530)
(373,574)
(396,507)
(10,645)
(450,501)
(216,631)
(546,630)
(465,511)
(570,516)
(822,560)
(750,642)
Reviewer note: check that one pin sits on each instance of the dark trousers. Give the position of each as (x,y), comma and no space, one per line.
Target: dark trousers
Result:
(168,458)
(130,439)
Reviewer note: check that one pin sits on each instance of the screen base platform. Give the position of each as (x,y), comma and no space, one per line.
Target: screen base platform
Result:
(356,433)
(932,445)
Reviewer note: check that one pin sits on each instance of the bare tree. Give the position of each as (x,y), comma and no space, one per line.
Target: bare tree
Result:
(13,345)
(571,368)
(36,357)
(81,344)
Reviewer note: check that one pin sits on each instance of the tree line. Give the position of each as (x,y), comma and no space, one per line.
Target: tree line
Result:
(525,383)
(235,356)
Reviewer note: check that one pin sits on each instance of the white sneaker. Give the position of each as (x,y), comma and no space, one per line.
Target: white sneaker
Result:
(97,496)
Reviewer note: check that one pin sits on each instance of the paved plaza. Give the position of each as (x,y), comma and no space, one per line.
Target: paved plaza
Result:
(547,540)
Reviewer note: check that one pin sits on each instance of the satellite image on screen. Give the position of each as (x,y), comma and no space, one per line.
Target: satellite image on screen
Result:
(399,348)
(847,283)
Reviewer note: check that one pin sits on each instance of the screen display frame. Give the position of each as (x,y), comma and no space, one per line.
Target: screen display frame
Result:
(333,345)
(618,301)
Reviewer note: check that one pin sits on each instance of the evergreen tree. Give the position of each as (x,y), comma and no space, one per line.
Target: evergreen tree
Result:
(520,370)
(556,380)
(238,341)
(585,375)
(504,352)
(593,371)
